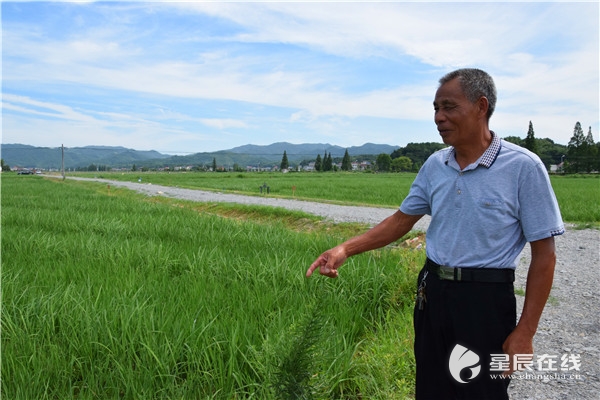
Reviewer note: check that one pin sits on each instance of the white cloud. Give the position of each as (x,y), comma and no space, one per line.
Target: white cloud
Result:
(306,59)
(220,123)
(26,105)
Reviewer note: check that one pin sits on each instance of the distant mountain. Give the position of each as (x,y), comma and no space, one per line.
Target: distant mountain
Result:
(25,156)
(312,149)
(268,155)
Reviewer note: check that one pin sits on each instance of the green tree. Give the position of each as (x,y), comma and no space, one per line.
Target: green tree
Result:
(530,143)
(514,139)
(4,167)
(574,150)
(597,162)
(590,151)
(401,164)
(577,139)
(550,152)
(418,152)
(284,161)
(384,162)
(327,162)
(346,163)
(318,163)
(214,164)
(589,138)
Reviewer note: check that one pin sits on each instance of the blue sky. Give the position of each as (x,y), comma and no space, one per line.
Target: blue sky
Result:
(187,77)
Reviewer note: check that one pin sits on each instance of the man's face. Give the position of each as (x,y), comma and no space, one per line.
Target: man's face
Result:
(457,119)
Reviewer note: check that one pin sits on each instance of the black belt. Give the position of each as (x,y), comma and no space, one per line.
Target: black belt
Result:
(487,275)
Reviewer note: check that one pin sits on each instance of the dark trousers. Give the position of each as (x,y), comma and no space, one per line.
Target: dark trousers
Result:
(473,315)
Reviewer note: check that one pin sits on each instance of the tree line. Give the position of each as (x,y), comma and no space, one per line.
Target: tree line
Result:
(582,152)
(322,164)
(581,155)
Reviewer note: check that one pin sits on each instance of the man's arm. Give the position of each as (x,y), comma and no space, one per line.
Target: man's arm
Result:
(539,283)
(387,231)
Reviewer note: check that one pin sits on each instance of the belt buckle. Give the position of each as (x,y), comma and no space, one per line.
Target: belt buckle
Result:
(447,273)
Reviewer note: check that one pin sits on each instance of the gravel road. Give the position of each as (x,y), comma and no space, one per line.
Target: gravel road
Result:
(570,325)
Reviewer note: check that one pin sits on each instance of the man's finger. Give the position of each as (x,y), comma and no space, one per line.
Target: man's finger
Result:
(310,271)
(314,266)
(321,263)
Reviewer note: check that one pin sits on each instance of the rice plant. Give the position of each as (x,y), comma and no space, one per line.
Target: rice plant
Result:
(115,295)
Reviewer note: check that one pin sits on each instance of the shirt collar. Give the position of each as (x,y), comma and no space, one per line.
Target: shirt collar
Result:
(488,157)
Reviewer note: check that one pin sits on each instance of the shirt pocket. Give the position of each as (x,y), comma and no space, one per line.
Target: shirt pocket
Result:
(490,203)
(496,219)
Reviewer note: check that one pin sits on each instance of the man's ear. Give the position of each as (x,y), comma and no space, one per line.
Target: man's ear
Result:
(483,105)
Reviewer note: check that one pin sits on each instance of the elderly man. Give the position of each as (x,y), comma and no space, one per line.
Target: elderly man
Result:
(487,198)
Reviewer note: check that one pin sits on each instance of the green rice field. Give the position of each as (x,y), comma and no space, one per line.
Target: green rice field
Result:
(578,195)
(120,296)
(116,295)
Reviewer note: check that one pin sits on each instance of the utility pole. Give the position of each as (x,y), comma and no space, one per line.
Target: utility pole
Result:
(63,161)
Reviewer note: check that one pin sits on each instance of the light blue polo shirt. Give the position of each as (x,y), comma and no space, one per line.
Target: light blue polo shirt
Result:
(482,216)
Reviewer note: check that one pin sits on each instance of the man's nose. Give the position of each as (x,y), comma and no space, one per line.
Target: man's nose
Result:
(438,117)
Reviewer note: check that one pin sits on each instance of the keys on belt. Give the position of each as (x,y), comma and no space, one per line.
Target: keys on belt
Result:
(421,296)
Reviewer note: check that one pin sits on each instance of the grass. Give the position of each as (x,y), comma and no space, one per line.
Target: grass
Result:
(578,197)
(123,296)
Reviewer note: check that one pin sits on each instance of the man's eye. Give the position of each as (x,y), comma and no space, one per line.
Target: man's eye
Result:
(444,107)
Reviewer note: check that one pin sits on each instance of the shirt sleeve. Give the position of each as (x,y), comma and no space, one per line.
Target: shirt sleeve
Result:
(539,210)
(418,200)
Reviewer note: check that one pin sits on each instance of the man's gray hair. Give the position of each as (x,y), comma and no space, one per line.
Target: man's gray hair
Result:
(475,83)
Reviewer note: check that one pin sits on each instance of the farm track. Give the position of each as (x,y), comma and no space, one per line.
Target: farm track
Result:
(336,213)
(570,323)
